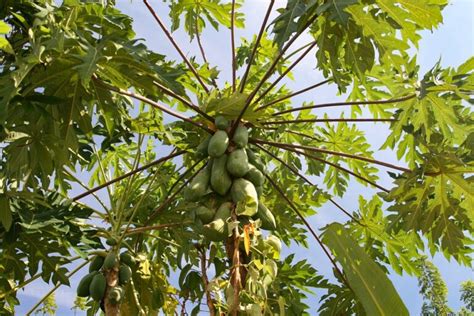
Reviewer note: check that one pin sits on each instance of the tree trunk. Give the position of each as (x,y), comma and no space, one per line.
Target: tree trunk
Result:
(112,281)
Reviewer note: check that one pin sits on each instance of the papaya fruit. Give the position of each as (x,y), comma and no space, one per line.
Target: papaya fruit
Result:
(266,217)
(116,295)
(218,144)
(126,258)
(244,194)
(224,211)
(111,241)
(215,230)
(96,263)
(124,274)
(201,149)
(238,163)
(84,284)
(255,176)
(259,190)
(205,214)
(110,261)
(220,178)
(255,160)
(198,186)
(221,122)
(97,287)
(241,136)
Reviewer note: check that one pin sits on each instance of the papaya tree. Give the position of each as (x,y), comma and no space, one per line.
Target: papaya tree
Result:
(172,189)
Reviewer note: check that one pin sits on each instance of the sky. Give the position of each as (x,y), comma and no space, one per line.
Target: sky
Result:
(452,42)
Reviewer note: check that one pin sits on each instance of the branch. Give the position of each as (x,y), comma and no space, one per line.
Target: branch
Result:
(257,43)
(184,101)
(173,42)
(337,167)
(326,105)
(70,274)
(293,65)
(327,120)
(303,219)
(269,73)
(232,36)
(155,227)
(203,53)
(80,196)
(293,94)
(330,152)
(170,199)
(205,280)
(154,104)
(297,173)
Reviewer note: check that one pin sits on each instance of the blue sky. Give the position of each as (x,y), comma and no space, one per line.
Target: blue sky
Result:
(453,42)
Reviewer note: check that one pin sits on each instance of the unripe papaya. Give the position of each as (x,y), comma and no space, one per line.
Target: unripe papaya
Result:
(84,284)
(96,263)
(198,186)
(124,274)
(244,194)
(110,261)
(241,136)
(111,241)
(221,122)
(97,287)
(266,217)
(238,163)
(220,178)
(255,160)
(127,258)
(218,144)
(255,176)
(259,190)
(201,149)
(205,214)
(224,211)
(215,230)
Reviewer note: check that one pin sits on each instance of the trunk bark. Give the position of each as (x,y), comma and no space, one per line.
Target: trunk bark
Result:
(112,281)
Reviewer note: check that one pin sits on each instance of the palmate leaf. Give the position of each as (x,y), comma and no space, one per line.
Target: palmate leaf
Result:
(439,205)
(287,22)
(368,282)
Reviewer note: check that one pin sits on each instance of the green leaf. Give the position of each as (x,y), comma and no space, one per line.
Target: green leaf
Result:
(5,212)
(369,283)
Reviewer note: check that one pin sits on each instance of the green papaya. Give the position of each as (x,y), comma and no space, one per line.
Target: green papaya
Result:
(218,144)
(224,211)
(84,284)
(111,241)
(255,160)
(215,230)
(110,261)
(126,257)
(116,295)
(205,214)
(241,136)
(259,190)
(96,263)
(255,176)
(201,149)
(266,217)
(220,178)
(245,196)
(198,186)
(97,287)
(124,274)
(221,122)
(238,163)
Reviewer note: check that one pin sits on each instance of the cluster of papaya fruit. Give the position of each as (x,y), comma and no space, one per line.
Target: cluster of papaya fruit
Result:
(94,284)
(233,178)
